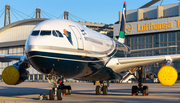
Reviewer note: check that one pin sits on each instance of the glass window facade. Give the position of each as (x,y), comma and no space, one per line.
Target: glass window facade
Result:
(155,40)
(149,38)
(163,37)
(143,41)
(11,51)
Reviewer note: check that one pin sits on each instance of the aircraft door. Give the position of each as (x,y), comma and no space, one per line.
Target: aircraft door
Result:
(78,36)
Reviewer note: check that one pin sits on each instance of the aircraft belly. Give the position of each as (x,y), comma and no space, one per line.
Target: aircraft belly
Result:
(101,75)
(64,65)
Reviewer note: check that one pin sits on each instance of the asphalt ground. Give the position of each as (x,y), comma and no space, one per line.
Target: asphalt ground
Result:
(28,92)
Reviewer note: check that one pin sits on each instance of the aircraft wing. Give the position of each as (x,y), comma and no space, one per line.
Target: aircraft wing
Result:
(123,64)
(150,49)
(9,58)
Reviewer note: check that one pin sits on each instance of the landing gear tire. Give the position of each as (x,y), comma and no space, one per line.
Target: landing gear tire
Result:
(98,90)
(51,94)
(140,88)
(134,90)
(59,94)
(67,90)
(105,90)
(145,91)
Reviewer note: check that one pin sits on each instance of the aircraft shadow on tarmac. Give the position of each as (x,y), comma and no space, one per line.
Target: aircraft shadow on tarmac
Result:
(17,91)
(177,92)
(119,92)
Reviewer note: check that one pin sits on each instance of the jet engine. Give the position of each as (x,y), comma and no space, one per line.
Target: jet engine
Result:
(15,74)
(167,75)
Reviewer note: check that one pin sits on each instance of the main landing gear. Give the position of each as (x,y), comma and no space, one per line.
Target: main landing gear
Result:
(102,88)
(58,88)
(140,88)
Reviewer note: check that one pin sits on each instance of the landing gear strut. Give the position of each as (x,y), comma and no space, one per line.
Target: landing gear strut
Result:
(102,88)
(58,88)
(140,88)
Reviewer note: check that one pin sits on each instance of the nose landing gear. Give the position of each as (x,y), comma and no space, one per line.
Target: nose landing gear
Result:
(58,88)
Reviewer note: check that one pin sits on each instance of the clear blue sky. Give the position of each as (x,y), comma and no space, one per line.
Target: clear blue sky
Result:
(102,11)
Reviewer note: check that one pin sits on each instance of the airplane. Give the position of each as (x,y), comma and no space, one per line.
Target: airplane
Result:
(65,49)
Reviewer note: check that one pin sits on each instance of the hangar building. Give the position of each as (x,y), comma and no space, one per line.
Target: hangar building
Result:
(153,27)
(12,41)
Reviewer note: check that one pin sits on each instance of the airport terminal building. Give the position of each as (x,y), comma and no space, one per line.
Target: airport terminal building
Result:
(153,27)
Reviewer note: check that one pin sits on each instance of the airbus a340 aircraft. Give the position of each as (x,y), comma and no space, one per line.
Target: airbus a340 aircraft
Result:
(65,49)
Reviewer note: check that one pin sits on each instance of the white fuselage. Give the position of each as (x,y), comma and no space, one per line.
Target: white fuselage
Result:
(56,44)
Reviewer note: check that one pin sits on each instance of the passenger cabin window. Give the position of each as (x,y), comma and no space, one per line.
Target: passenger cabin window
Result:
(45,33)
(35,33)
(54,34)
(59,33)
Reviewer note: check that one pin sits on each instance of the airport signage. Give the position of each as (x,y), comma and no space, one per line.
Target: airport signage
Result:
(150,26)
(178,22)
(128,28)
(157,26)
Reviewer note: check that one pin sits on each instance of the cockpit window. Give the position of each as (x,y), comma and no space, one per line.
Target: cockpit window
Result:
(59,33)
(45,33)
(35,33)
(54,33)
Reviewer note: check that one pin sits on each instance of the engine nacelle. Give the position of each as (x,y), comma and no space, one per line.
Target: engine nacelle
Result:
(167,75)
(13,75)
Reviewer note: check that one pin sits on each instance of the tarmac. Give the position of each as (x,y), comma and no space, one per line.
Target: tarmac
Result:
(28,92)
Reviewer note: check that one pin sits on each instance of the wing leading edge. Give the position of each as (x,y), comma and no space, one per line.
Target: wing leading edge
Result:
(150,49)
(9,58)
(123,64)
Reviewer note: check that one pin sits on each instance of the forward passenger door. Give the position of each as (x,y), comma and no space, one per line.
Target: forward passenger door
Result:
(78,36)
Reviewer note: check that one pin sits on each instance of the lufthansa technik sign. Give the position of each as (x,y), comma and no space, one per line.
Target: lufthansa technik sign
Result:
(151,26)
(158,25)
